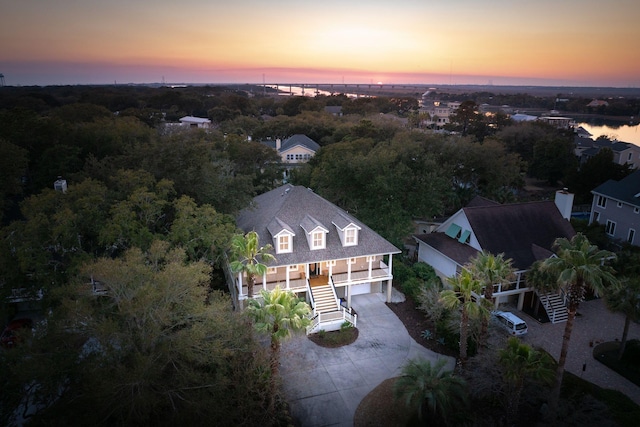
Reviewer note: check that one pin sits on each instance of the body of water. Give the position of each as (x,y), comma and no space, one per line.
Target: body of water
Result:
(625,133)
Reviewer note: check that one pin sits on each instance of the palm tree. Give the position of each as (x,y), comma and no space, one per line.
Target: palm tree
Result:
(520,362)
(248,257)
(278,313)
(491,269)
(464,286)
(430,390)
(579,265)
(624,298)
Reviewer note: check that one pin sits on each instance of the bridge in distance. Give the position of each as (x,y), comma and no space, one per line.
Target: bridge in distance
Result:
(402,89)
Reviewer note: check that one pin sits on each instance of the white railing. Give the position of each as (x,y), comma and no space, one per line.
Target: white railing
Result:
(313,303)
(332,318)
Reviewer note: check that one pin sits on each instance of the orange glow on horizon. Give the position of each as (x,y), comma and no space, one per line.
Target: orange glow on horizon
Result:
(401,41)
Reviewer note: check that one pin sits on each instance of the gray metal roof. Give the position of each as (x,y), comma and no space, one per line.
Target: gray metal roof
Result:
(291,205)
(624,190)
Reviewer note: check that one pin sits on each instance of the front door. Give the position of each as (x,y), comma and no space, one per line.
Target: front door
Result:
(314,269)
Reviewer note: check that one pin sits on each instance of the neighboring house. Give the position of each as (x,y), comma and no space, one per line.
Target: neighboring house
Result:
(623,152)
(297,149)
(439,112)
(524,232)
(557,122)
(596,103)
(293,151)
(195,122)
(519,117)
(323,254)
(616,205)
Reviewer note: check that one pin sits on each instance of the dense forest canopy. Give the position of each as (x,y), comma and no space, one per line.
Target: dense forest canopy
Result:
(149,207)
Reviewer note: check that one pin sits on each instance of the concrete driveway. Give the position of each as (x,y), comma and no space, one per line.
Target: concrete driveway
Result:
(325,386)
(596,324)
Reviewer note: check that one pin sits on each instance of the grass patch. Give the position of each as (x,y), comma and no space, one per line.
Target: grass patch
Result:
(628,366)
(334,339)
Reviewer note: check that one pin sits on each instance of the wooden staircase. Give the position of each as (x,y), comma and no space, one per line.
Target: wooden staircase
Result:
(554,306)
(324,298)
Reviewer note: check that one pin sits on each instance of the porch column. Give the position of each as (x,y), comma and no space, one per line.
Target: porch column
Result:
(521,301)
(264,281)
(390,282)
(349,269)
(287,277)
(348,290)
(330,269)
(370,266)
(239,285)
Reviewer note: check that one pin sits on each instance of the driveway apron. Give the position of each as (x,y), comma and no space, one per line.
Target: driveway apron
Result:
(325,386)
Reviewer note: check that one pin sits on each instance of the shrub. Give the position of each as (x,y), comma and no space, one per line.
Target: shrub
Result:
(402,272)
(412,287)
(425,272)
(429,303)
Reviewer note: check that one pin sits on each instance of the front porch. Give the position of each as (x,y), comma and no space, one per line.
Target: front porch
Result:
(294,278)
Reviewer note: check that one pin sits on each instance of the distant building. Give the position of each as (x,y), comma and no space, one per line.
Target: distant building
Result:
(557,122)
(293,151)
(439,112)
(195,122)
(60,185)
(597,103)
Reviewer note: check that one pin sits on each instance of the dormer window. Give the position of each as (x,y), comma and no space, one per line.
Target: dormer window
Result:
(350,236)
(284,243)
(317,241)
(282,236)
(316,232)
(347,229)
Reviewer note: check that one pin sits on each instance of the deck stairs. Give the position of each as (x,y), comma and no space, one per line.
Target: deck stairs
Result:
(327,314)
(324,298)
(554,306)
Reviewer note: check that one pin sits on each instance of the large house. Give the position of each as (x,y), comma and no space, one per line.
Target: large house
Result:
(616,205)
(524,232)
(323,253)
(439,112)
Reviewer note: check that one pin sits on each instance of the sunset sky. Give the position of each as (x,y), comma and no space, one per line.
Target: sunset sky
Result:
(500,42)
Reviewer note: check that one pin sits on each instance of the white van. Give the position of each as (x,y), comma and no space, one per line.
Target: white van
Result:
(512,323)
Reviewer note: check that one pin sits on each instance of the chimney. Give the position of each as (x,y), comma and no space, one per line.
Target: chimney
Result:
(564,203)
(278,144)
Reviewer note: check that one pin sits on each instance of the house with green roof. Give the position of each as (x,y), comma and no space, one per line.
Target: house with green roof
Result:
(523,232)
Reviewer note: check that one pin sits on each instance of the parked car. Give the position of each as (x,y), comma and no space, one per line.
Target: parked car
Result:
(11,333)
(512,323)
